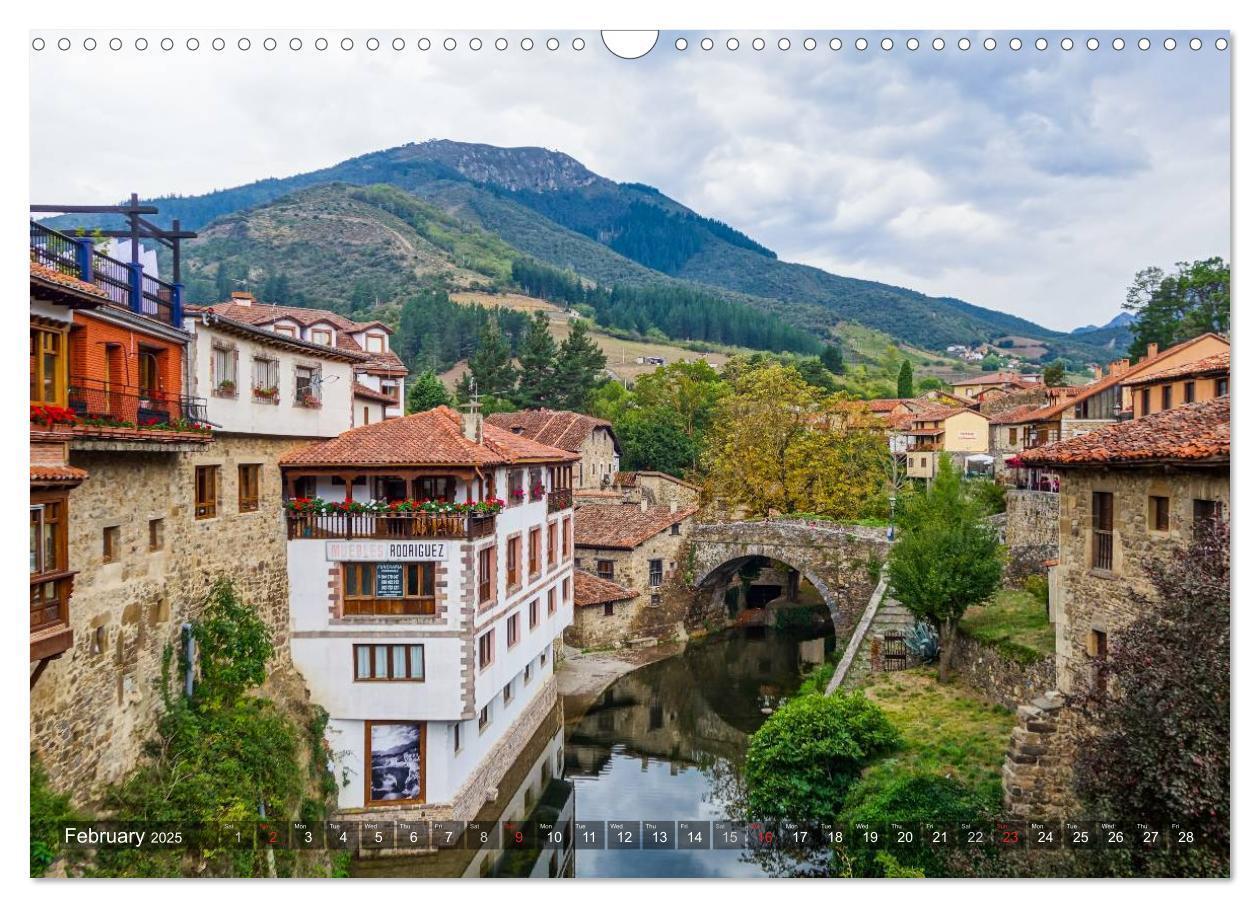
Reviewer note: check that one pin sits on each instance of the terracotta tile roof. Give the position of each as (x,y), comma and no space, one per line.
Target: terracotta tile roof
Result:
(591,590)
(630,479)
(1209,365)
(363,391)
(431,438)
(623,525)
(1023,413)
(1194,433)
(51,275)
(558,428)
(56,473)
(994,378)
(885,404)
(264,335)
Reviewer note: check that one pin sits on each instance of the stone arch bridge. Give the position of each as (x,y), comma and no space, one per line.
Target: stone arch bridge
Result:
(842,562)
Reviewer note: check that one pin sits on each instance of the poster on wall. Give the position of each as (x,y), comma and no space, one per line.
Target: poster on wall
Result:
(394,758)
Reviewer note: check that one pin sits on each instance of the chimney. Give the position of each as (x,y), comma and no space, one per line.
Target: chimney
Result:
(643,505)
(1119,367)
(470,422)
(1151,350)
(1097,372)
(243,298)
(673,505)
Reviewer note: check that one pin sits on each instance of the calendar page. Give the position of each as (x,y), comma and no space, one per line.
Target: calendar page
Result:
(594,454)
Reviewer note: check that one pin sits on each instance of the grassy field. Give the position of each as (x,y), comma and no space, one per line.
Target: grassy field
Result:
(948,731)
(1015,622)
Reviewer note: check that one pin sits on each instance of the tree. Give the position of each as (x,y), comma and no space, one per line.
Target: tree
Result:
(905,380)
(1055,374)
(1171,308)
(833,358)
(427,392)
(579,363)
(654,440)
(491,366)
(691,390)
(537,362)
(1159,740)
(946,558)
(802,762)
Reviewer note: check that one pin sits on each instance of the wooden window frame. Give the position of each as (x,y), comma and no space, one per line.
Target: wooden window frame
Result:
(513,562)
(111,544)
(567,588)
(485,650)
(535,551)
(551,601)
(656,575)
(508,694)
(484,718)
(1222,386)
(206,491)
(1166,397)
(608,610)
(48,349)
(157,540)
(534,613)
(566,537)
(390,677)
(416,601)
(1103,522)
(321,332)
(487,567)
(512,629)
(552,535)
(1158,513)
(1188,392)
(375,337)
(1146,402)
(248,482)
(599,568)
(368,801)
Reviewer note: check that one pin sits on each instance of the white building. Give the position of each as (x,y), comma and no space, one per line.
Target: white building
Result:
(428,636)
(379,390)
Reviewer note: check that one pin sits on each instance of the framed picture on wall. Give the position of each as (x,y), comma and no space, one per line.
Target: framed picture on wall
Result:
(395,761)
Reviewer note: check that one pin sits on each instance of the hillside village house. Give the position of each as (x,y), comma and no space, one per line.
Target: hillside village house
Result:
(635,545)
(591,438)
(423,615)
(656,487)
(974,388)
(1131,491)
(151,507)
(1177,386)
(955,432)
(378,383)
(601,611)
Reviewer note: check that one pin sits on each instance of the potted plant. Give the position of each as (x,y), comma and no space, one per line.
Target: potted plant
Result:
(270,393)
(227,388)
(307,399)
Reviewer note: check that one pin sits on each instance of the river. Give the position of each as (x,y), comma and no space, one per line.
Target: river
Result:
(665,742)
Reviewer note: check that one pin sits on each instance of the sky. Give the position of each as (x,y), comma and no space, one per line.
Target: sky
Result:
(1032,182)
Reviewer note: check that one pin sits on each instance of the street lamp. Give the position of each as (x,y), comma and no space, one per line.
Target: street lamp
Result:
(892,516)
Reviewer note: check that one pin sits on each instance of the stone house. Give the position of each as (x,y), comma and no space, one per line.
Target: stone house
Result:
(591,438)
(656,487)
(973,388)
(1130,492)
(603,612)
(634,544)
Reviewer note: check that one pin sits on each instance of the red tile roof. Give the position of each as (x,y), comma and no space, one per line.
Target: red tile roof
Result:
(591,590)
(995,378)
(1196,433)
(622,525)
(51,275)
(558,428)
(885,404)
(1022,414)
(363,391)
(431,438)
(1210,365)
(41,473)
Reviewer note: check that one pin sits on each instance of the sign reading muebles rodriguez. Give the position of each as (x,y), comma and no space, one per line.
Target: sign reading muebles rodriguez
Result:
(383,550)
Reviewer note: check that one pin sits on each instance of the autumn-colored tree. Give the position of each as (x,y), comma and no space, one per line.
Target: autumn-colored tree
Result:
(779,445)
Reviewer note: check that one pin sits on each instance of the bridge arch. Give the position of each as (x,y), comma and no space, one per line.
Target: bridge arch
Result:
(840,561)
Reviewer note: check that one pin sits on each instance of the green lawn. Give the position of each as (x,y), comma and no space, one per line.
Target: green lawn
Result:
(1015,622)
(947,729)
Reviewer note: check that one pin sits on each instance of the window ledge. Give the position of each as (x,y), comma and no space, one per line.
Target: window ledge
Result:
(1103,575)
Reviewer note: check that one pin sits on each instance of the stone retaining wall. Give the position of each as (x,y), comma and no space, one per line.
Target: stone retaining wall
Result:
(1031,532)
(1037,775)
(1001,679)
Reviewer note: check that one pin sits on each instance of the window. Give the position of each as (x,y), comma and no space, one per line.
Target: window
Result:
(223,371)
(207,500)
(157,534)
(286,330)
(485,574)
(388,588)
(529,672)
(551,601)
(507,693)
(1096,648)
(604,568)
(266,378)
(655,572)
(366,416)
(567,597)
(306,386)
(389,662)
(111,544)
(1165,397)
(514,562)
(542,658)
(1103,504)
(533,614)
(485,649)
(655,600)
(513,629)
(608,609)
(48,537)
(48,367)
(551,544)
(566,535)
(1207,511)
(535,556)
(1188,393)
(1157,513)
(483,718)
(1012,437)
(322,336)
(1222,386)
(376,343)
(535,484)
(1146,403)
(247,486)
(457,734)
(149,372)
(675,529)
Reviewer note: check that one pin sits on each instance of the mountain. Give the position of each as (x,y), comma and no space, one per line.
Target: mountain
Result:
(1123,320)
(484,205)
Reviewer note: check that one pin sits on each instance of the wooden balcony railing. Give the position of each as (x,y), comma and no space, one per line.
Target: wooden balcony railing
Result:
(50,614)
(125,283)
(559,499)
(389,526)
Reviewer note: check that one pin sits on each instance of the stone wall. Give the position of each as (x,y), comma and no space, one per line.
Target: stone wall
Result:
(1001,679)
(94,707)
(1037,774)
(1031,532)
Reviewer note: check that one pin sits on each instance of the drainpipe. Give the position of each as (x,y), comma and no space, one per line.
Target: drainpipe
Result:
(190,656)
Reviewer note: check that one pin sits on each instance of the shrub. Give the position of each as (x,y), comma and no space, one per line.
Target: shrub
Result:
(1038,586)
(49,810)
(803,760)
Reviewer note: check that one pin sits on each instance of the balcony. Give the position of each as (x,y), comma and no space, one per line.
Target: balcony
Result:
(50,614)
(125,283)
(559,500)
(306,525)
(1040,439)
(108,411)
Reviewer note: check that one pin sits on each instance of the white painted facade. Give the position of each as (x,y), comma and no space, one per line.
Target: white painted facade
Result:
(455,689)
(241,410)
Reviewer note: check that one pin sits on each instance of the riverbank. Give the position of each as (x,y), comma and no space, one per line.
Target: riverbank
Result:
(583,676)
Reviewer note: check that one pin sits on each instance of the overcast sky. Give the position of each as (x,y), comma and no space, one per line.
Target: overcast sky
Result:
(1032,182)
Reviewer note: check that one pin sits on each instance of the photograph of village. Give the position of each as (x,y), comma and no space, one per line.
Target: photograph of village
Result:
(455,455)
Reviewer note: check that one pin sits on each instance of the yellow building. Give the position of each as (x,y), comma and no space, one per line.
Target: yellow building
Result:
(949,431)
(1178,385)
